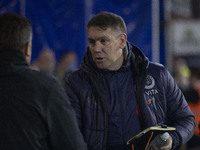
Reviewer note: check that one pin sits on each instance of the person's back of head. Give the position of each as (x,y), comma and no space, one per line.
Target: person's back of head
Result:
(15,31)
(16,34)
(106,20)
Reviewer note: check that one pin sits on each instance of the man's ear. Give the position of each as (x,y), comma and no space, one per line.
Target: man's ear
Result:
(123,38)
(28,51)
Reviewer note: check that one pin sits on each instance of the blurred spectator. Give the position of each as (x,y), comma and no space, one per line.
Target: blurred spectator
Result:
(192,95)
(181,73)
(46,61)
(181,9)
(68,63)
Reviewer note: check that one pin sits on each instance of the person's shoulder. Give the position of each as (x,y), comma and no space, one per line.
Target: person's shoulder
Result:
(154,66)
(76,75)
(43,78)
(78,78)
(39,74)
(157,69)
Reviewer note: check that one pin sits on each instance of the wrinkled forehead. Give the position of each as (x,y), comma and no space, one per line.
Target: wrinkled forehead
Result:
(97,31)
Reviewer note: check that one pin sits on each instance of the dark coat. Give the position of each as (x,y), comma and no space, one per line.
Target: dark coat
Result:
(35,113)
(160,100)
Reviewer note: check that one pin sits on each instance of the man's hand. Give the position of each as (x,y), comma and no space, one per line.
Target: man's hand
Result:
(167,147)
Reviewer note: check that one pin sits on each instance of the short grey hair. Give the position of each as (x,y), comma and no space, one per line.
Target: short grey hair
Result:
(106,20)
(15,31)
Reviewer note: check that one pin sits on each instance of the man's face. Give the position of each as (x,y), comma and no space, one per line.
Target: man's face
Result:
(106,47)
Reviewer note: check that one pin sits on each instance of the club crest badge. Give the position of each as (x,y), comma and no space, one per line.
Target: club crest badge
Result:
(150,82)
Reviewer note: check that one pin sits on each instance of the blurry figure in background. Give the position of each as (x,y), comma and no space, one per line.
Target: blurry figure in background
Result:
(67,63)
(181,73)
(188,79)
(192,95)
(46,61)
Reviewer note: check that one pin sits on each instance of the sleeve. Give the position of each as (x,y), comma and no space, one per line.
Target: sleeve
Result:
(179,113)
(64,132)
(71,89)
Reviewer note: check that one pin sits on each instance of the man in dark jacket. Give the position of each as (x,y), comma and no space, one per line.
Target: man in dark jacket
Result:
(117,92)
(35,112)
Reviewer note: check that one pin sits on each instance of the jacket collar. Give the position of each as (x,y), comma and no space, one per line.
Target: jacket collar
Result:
(12,56)
(10,60)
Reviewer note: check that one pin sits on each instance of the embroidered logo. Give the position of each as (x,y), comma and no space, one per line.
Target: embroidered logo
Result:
(150,82)
(150,91)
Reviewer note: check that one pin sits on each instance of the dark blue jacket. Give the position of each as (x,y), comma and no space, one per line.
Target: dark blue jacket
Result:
(35,112)
(159,98)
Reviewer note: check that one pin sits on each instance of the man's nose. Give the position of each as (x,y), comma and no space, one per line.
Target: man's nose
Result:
(98,46)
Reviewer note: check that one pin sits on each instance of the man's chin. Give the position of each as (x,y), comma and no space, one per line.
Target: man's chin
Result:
(100,66)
